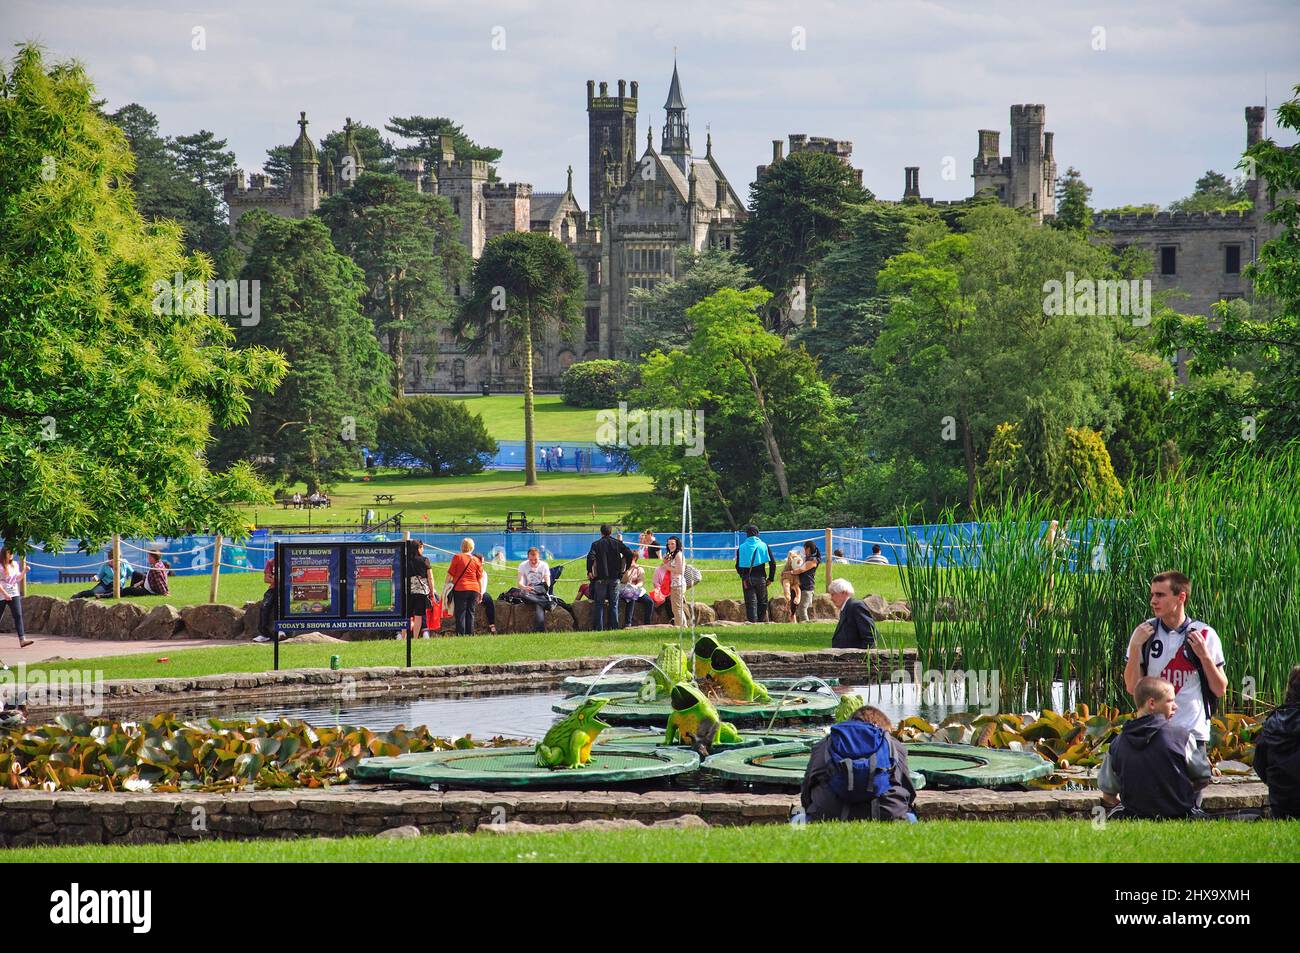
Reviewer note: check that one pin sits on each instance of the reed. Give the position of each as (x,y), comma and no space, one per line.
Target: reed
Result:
(1040,613)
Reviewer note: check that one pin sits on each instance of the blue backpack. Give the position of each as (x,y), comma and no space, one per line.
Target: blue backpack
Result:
(859,762)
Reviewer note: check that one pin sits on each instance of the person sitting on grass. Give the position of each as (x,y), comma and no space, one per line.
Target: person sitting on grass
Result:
(859,772)
(877,558)
(1277,753)
(1148,771)
(104,580)
(154,582)
(855,629)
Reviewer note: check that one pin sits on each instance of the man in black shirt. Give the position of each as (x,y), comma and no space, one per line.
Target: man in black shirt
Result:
(607,560)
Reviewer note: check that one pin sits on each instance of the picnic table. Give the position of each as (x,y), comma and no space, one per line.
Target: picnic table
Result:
(383,498)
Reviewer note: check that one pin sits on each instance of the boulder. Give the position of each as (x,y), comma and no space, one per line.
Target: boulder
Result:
(36,612)
(823,607)
(252,616)
(109,621)
(704,614)
(878,607)
(560,619)
(399,833)
(900,611)
(56,618)
(729,610)
(779,609)
(213,621)
(162,622)
(584,610)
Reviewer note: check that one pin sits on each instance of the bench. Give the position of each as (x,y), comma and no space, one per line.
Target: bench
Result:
(76,575)
(383,497)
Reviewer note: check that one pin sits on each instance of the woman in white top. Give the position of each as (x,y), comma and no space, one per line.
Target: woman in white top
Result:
(535,584)
(11,576)
(675,564)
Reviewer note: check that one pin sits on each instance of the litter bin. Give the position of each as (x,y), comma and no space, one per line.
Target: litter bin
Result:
(487,389)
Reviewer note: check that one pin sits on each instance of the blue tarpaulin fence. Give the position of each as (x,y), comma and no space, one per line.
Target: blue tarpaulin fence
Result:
(190,555)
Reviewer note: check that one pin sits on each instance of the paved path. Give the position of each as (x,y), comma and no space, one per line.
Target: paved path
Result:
(49,647)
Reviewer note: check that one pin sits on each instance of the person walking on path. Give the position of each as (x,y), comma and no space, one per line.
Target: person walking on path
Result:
(465,584)
(756,567)
(675,567)
(607,561)
(12,572)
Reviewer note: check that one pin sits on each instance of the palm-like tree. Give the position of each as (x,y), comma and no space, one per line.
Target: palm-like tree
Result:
(524,285)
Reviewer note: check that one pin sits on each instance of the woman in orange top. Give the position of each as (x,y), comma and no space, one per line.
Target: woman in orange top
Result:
(465,579)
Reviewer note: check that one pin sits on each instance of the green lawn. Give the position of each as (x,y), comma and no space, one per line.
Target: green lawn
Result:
(484,497)
(460,650)
(981,841)
(553,419)
(240,587)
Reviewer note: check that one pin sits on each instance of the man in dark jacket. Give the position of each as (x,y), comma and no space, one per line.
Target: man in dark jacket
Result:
(1277,753)
(856,629)
(1148,765)
(820,803)
(607,560)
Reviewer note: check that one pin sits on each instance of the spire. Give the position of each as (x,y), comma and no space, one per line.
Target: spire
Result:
(708,142)
(569,188)
(649,139)
(351,150)
(677,133)
(303,150)
(675,100)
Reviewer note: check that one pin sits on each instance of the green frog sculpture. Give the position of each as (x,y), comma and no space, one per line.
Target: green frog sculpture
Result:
(568,742)
(731,675)
(847,706)
(705,646)
(671,667)
(695,722)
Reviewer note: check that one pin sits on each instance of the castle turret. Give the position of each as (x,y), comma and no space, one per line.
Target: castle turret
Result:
(1255,116)
(1027,158)
(912,182)
(676,143)
(611,140)
(462,182)
(304,188)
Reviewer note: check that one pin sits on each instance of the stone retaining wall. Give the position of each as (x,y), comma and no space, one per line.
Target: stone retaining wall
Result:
(851,666)
(36,818)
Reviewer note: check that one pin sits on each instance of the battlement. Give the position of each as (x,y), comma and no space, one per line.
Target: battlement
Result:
(1029,114)
(245,188)
(623,101)
(1171,219)
(512,190)
(464,169)
(800,142)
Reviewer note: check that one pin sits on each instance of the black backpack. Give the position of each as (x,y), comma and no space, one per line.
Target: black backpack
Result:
(1208,698)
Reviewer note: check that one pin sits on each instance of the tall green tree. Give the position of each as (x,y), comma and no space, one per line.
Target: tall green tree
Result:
(107,394)
(1072,193)
(1214,191)
(797,210)
(407,244)
(660,320)
(1262,407)
(850,307)
(525,286)
(444,436)
(312,428)
(427,132)
(972,337)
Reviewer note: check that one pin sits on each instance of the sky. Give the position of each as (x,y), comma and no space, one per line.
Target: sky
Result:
(1143,97)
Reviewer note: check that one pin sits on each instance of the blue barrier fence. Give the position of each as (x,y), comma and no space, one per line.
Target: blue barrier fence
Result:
(191,555)
(571,457)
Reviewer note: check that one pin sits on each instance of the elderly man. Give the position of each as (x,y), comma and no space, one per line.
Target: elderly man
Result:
(856,629)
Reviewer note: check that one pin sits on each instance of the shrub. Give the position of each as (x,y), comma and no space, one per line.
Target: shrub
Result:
(597,384)
(435,434)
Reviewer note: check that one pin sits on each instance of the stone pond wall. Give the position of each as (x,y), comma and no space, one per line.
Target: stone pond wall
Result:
(30,818)
(128,621)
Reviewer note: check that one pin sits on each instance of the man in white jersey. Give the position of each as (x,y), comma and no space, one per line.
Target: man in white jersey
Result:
(1185,652)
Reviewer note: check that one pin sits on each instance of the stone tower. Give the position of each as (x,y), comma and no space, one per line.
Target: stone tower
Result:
(1254,133)
(461,181)
(676,142)
(304,169)
(1027,177)
(611,138)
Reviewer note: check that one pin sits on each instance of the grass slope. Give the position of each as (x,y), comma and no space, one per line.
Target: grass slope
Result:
(456,650)
(983,841)
(553,419)
(489,496)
